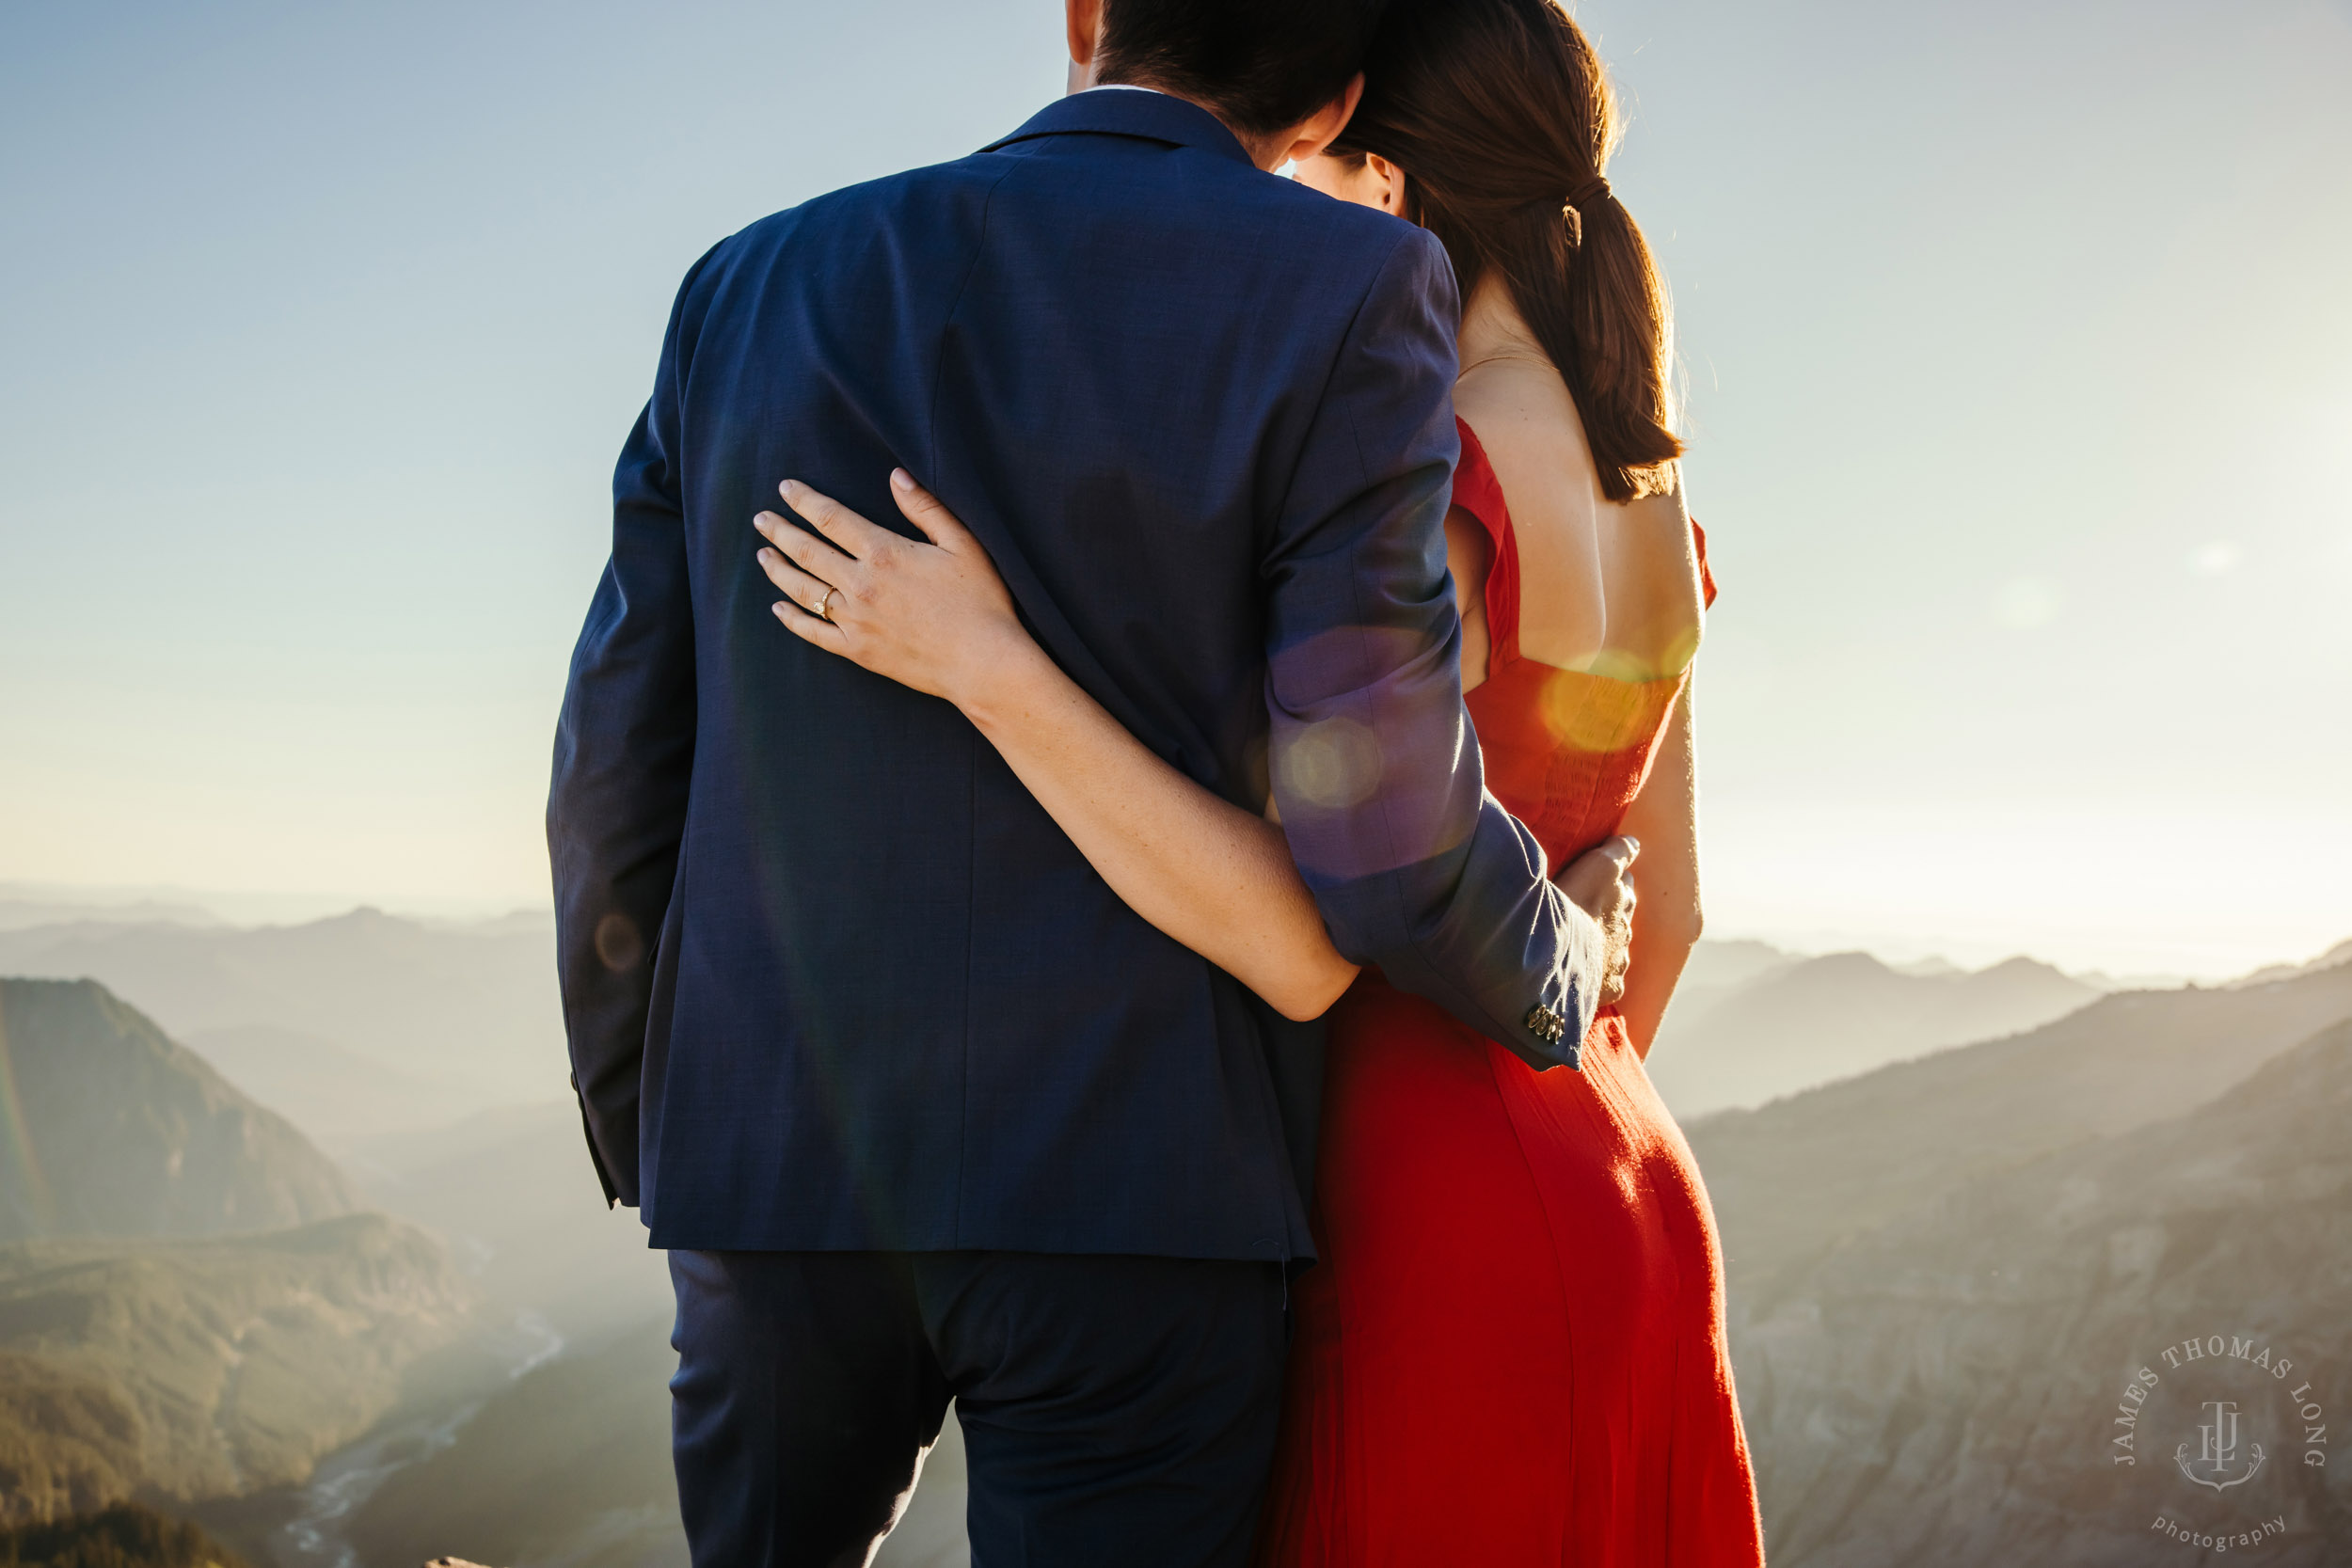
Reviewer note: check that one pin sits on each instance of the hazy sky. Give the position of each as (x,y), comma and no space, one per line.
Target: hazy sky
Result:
(2018,333)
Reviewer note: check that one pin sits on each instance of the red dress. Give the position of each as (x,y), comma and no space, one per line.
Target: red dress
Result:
(1511,1353)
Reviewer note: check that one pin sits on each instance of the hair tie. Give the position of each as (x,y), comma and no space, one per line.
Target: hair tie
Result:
(1595,189)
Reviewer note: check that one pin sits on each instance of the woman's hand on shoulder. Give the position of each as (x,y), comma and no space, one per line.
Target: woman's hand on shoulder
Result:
(930,613)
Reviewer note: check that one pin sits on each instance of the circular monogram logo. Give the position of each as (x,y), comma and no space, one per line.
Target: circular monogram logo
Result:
(2215,1428)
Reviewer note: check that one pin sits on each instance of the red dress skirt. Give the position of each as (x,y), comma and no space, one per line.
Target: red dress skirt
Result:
(1511,1353)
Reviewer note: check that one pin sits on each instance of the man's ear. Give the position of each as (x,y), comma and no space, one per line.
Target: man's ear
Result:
(1083,22)
(1319,130)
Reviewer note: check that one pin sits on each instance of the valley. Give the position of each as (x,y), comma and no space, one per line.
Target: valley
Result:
(337,1283)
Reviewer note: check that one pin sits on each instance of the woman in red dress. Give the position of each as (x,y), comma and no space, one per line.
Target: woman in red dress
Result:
(1512,1351)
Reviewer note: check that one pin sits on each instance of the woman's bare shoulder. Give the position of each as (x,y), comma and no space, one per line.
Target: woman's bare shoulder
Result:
(1524,417)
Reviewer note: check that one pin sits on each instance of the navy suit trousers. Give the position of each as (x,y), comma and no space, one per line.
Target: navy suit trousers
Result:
(1115,1409)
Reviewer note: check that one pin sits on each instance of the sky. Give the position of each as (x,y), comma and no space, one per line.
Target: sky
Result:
(2017,338)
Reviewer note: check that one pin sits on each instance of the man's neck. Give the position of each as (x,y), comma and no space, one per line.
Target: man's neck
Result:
(1264,151)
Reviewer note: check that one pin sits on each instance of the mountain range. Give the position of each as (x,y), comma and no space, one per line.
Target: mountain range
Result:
(190,1307)
(1943,1274)
(548,1245)
(1750,1024)
(1944,1391)
(113,1129)
(122,1136)
(1943,1257)
(371,1024)
(2336,956)
(185,1369)
(20,909)
(470,1012)
(331,1091)
(1801,1175)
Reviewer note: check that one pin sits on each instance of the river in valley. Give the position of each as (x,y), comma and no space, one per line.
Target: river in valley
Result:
(312,1534)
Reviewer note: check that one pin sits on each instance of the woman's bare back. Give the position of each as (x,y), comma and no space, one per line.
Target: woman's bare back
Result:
(1607,588)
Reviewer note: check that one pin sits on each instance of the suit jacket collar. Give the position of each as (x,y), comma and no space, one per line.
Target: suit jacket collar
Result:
(1152,116)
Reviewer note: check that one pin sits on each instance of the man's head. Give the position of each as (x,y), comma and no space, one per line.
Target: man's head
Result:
(1269,69)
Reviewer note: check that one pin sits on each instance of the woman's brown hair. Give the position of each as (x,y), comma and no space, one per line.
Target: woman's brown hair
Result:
(1503,121)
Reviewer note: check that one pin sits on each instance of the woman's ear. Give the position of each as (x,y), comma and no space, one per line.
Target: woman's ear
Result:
(1392,184)
(1310,136)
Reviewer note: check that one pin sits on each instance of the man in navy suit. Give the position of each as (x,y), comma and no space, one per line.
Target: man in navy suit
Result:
(922,1111)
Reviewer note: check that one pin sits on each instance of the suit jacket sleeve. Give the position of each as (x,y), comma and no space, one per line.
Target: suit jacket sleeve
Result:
(624,759)
(1372,760)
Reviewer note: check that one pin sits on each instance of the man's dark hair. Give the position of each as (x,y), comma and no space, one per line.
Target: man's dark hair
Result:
(1261,65)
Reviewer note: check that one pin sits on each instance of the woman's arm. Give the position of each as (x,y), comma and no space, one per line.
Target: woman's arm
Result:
(1664,819)
(937,618)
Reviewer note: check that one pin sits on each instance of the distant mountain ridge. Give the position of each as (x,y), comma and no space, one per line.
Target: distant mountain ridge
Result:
(1800,1175)
(1753,1025)
(2339,954)
(472,1011)
(20,913)
(112,1128)
(328,1090)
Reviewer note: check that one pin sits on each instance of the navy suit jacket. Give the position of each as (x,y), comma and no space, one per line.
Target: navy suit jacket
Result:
(833,979)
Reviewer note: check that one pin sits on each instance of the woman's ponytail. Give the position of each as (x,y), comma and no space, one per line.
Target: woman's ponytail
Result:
(1503,121)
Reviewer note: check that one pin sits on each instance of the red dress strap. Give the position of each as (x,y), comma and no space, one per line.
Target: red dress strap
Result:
(1477,492)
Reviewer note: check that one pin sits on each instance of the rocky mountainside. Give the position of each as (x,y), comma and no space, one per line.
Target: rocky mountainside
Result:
(1787,1026)
(110,1129)
(185,1369)
(123,1536)
(2002,1372)
(473,1010)
(1793,1178)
